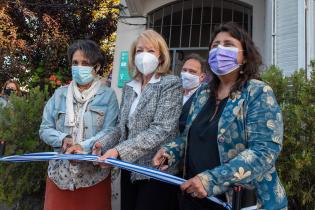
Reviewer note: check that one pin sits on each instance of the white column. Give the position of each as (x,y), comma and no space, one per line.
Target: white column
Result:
(301,35)
(310,32)
(259,30)
(269,22)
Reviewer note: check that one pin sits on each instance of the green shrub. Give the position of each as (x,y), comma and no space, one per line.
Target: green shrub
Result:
(296,96)
(22,184)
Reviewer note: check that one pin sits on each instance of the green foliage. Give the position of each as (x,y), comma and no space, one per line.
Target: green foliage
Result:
(22,184)
(35,34)
(296,96)
(275,77)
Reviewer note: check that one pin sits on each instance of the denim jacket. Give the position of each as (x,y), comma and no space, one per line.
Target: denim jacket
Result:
(103,107)
(250,134)
(100,117)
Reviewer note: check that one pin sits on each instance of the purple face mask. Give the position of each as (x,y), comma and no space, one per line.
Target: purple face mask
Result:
(223,60)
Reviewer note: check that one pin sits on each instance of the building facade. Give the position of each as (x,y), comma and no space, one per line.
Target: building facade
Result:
(283,30)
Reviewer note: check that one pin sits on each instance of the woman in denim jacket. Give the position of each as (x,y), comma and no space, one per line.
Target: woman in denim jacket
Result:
(73,119)
(234,130)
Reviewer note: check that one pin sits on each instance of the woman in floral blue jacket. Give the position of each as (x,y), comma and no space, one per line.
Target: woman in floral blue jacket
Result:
(234,130)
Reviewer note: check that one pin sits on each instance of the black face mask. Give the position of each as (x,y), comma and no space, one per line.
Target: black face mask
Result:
(8,91)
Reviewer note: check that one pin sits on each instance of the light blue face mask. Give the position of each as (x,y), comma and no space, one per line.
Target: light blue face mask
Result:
(82,74)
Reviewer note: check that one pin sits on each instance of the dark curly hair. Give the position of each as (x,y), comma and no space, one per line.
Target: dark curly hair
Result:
(250,69)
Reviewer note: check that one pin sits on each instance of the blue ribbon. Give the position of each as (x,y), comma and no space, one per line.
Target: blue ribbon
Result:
(150,172)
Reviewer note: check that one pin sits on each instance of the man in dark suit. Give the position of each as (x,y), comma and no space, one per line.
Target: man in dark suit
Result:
(193,73)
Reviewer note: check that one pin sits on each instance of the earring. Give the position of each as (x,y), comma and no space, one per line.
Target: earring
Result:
(241,72)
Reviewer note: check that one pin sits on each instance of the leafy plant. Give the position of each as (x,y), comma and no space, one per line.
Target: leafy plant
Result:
(35,34)
(296,96)
(22,184)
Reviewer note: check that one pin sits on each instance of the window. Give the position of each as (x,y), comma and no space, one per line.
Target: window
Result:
(190,23)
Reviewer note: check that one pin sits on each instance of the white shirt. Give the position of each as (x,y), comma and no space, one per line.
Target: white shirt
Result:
(136,85)
(190,93)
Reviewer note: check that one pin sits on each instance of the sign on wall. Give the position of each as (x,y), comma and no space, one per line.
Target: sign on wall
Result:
(123,69)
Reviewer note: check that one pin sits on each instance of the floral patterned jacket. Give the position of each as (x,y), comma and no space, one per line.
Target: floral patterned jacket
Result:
(250,134)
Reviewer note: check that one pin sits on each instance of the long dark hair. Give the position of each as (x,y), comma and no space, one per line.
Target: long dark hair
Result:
(250,69)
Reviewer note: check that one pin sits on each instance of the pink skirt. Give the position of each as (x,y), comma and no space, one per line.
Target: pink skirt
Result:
(97,197)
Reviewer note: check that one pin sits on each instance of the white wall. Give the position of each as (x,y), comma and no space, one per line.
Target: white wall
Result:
(259,27)
(310,32)
(313,33)
(290,24)
(150,5)
(313,24)
(268,46)
(301,34)
(143,7)
(289,36)
(126,34)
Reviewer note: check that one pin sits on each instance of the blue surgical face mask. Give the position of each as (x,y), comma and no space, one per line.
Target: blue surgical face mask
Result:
(82,74)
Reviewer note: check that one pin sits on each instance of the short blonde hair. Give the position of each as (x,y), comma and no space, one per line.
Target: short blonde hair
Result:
(158,42)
